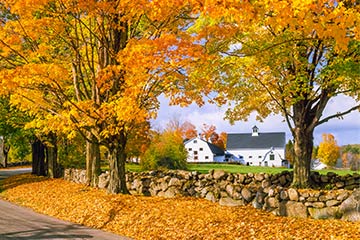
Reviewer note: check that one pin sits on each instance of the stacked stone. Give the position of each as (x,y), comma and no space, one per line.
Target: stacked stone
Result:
(269,192)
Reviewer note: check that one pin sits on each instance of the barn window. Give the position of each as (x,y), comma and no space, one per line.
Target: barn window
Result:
(206,157)
(190,149)
(195,141)
(195,152)
(272,156)
(201,149)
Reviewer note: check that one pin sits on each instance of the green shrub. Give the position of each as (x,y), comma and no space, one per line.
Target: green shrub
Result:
(166,151)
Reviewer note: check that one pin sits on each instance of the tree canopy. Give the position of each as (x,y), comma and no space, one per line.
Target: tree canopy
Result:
(283,57)
(96,68)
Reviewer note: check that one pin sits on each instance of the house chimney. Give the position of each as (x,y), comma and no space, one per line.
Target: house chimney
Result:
(255,131)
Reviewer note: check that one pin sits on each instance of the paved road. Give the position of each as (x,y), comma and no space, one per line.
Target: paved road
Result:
(22,223)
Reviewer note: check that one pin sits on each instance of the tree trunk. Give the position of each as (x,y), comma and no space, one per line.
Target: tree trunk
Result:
(303,146)
(38,158)
(6,150)
(52,157)
(93,169)
(117,160)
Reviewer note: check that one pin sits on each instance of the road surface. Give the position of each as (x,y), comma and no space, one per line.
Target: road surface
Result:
(23,223)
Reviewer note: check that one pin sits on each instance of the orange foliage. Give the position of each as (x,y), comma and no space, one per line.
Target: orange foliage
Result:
(209,134)
(161,218)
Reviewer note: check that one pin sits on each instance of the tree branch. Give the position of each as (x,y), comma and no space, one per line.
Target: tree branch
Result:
(339,114)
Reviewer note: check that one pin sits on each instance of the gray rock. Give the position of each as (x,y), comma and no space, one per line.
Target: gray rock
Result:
(259,177)
(272,192)
(219,174)
(172,192)
(342,196)
(260,197)
(230,178)
(324,213)
(266,183)
(256,204)
(339,184)
(293,209)
(136,184)
(350,208)
(231,202)
(241,178)
(331,203)
(175,182)
(293,194)
(282,180)
(103,180)
(230,189)
(210,196)
(246,194)
(318,204)
(284,195)
(271,202)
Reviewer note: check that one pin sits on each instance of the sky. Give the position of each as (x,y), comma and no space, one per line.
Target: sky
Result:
(346,130)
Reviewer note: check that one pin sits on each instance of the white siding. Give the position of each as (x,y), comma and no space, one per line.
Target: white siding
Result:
(261,157)
(199,151)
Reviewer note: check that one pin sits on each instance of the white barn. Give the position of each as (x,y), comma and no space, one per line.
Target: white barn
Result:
(200,151)
(258,149)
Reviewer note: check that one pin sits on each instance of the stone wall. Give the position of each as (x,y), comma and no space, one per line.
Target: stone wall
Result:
(338,199)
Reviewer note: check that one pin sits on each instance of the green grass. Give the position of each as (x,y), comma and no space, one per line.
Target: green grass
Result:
(204,168)
(232,168)
(340,172)
(133,167)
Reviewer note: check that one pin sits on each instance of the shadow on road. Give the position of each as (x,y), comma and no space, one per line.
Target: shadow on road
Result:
(52,231)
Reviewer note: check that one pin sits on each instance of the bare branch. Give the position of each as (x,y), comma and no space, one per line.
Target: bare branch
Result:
(339,114)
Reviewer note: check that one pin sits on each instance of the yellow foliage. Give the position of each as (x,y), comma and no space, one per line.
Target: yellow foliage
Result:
(329,151)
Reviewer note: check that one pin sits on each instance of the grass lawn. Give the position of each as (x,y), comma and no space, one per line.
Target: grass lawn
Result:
(204,168)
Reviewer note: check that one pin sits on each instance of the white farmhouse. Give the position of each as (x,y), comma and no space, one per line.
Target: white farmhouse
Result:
(258,149)
(200,151)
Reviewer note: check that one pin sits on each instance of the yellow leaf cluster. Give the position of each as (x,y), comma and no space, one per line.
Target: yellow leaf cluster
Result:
(329,151)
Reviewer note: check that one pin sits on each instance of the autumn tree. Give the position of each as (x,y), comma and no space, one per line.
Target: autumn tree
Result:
(329,151)
(351,156)
(282,57)
(95,68)
(209,134)
(188,130)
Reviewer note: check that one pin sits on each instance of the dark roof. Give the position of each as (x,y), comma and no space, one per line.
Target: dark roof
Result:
(215,149)
(263,140)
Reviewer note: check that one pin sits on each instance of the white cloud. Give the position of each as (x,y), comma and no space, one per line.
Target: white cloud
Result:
(346,131)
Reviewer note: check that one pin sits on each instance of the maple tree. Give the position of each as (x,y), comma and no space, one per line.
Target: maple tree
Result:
(282,57)
(76,67)
(328,151)
(188,130)
(209,134)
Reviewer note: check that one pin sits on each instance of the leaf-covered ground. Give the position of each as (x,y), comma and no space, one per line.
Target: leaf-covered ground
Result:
(160,218)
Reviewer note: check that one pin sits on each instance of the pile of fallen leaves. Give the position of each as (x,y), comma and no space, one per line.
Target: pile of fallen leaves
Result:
(161,218)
